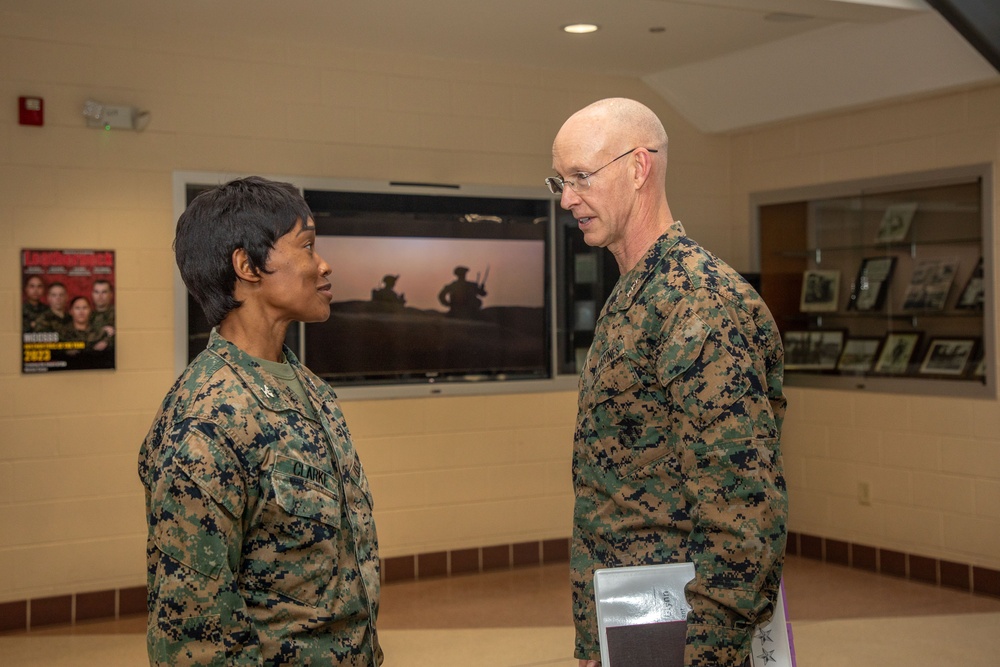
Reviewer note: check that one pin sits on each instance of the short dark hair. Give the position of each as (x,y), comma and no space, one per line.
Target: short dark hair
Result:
(31,276)
(250,213)
(103,281)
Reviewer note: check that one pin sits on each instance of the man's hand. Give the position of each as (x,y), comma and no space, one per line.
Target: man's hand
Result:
(589,663)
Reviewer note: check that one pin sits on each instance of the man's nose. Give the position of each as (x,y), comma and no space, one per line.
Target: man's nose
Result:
(568,198)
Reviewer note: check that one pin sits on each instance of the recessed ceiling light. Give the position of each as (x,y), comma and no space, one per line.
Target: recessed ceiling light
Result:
(580,28)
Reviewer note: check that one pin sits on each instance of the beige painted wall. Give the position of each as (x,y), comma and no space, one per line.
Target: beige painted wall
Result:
(933,463)
(447,473)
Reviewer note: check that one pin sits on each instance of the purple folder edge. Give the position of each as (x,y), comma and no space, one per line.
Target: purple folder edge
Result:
(788,626)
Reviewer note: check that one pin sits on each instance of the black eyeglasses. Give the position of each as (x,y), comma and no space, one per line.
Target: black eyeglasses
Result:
(582,178)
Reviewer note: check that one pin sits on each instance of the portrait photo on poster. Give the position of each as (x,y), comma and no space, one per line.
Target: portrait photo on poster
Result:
(67,310)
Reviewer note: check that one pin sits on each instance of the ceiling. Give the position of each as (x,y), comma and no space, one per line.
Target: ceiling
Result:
(724,64)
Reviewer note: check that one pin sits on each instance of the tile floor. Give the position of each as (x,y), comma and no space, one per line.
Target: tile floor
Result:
(521,618)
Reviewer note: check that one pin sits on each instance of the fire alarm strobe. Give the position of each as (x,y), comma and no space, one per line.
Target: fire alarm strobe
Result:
(31,110)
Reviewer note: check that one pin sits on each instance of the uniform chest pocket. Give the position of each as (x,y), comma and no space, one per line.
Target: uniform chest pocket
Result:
(294,549)
(612,384)
(703,378)
(623,435)
(305,500)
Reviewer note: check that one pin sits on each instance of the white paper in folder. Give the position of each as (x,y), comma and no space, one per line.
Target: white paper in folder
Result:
(642,614)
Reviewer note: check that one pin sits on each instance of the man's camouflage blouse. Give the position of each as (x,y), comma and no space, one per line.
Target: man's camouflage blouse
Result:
(676,454)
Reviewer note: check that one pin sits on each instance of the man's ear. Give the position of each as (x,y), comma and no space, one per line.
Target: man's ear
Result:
(244,267)
(643,163)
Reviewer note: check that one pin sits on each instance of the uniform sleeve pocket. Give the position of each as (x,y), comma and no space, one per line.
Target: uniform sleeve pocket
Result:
(700,374)
(189,527)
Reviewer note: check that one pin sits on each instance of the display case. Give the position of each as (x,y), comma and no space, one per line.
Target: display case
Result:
(586,278)
(883,285)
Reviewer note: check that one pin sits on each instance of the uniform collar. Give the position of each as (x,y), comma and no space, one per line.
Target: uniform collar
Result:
(260,382)
(630,284)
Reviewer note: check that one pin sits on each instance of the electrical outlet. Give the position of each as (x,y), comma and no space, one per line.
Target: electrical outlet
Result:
(864,493)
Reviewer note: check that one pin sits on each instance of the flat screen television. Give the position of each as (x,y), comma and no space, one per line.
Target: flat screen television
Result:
(432,289)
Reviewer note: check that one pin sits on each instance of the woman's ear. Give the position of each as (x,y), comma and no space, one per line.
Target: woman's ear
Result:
(244,267)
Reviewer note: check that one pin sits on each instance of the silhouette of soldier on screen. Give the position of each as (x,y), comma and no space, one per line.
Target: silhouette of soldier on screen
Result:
(386,295)
(462,297)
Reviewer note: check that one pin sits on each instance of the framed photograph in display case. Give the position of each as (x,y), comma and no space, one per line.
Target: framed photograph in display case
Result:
(859,355)
(930,283)
(814,350)
(895,225)
(979,368)
(972,295)
(898,349)
(947,356)
(820,291)
(923,239)
(872,284)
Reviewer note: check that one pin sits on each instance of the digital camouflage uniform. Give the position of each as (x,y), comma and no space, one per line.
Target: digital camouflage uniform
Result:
(676,454)
(104,318)
(89,336)
(49,321)
(29,313)
(261,546)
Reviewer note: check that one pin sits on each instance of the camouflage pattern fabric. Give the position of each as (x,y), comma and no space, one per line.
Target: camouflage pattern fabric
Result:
(49,321)
(90,336)
(30,313)
(676,454)
(261,549)
(104,318)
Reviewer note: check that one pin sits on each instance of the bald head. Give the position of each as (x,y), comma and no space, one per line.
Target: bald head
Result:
(614,125)
(611,161)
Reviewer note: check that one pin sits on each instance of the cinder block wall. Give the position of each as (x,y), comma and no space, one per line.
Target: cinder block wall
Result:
(447,473)
(933,463)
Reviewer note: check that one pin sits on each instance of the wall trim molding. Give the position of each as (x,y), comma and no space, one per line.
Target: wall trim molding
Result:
(23,615)
(938,572)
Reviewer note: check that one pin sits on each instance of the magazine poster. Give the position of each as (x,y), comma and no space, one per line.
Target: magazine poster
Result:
(67,310)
